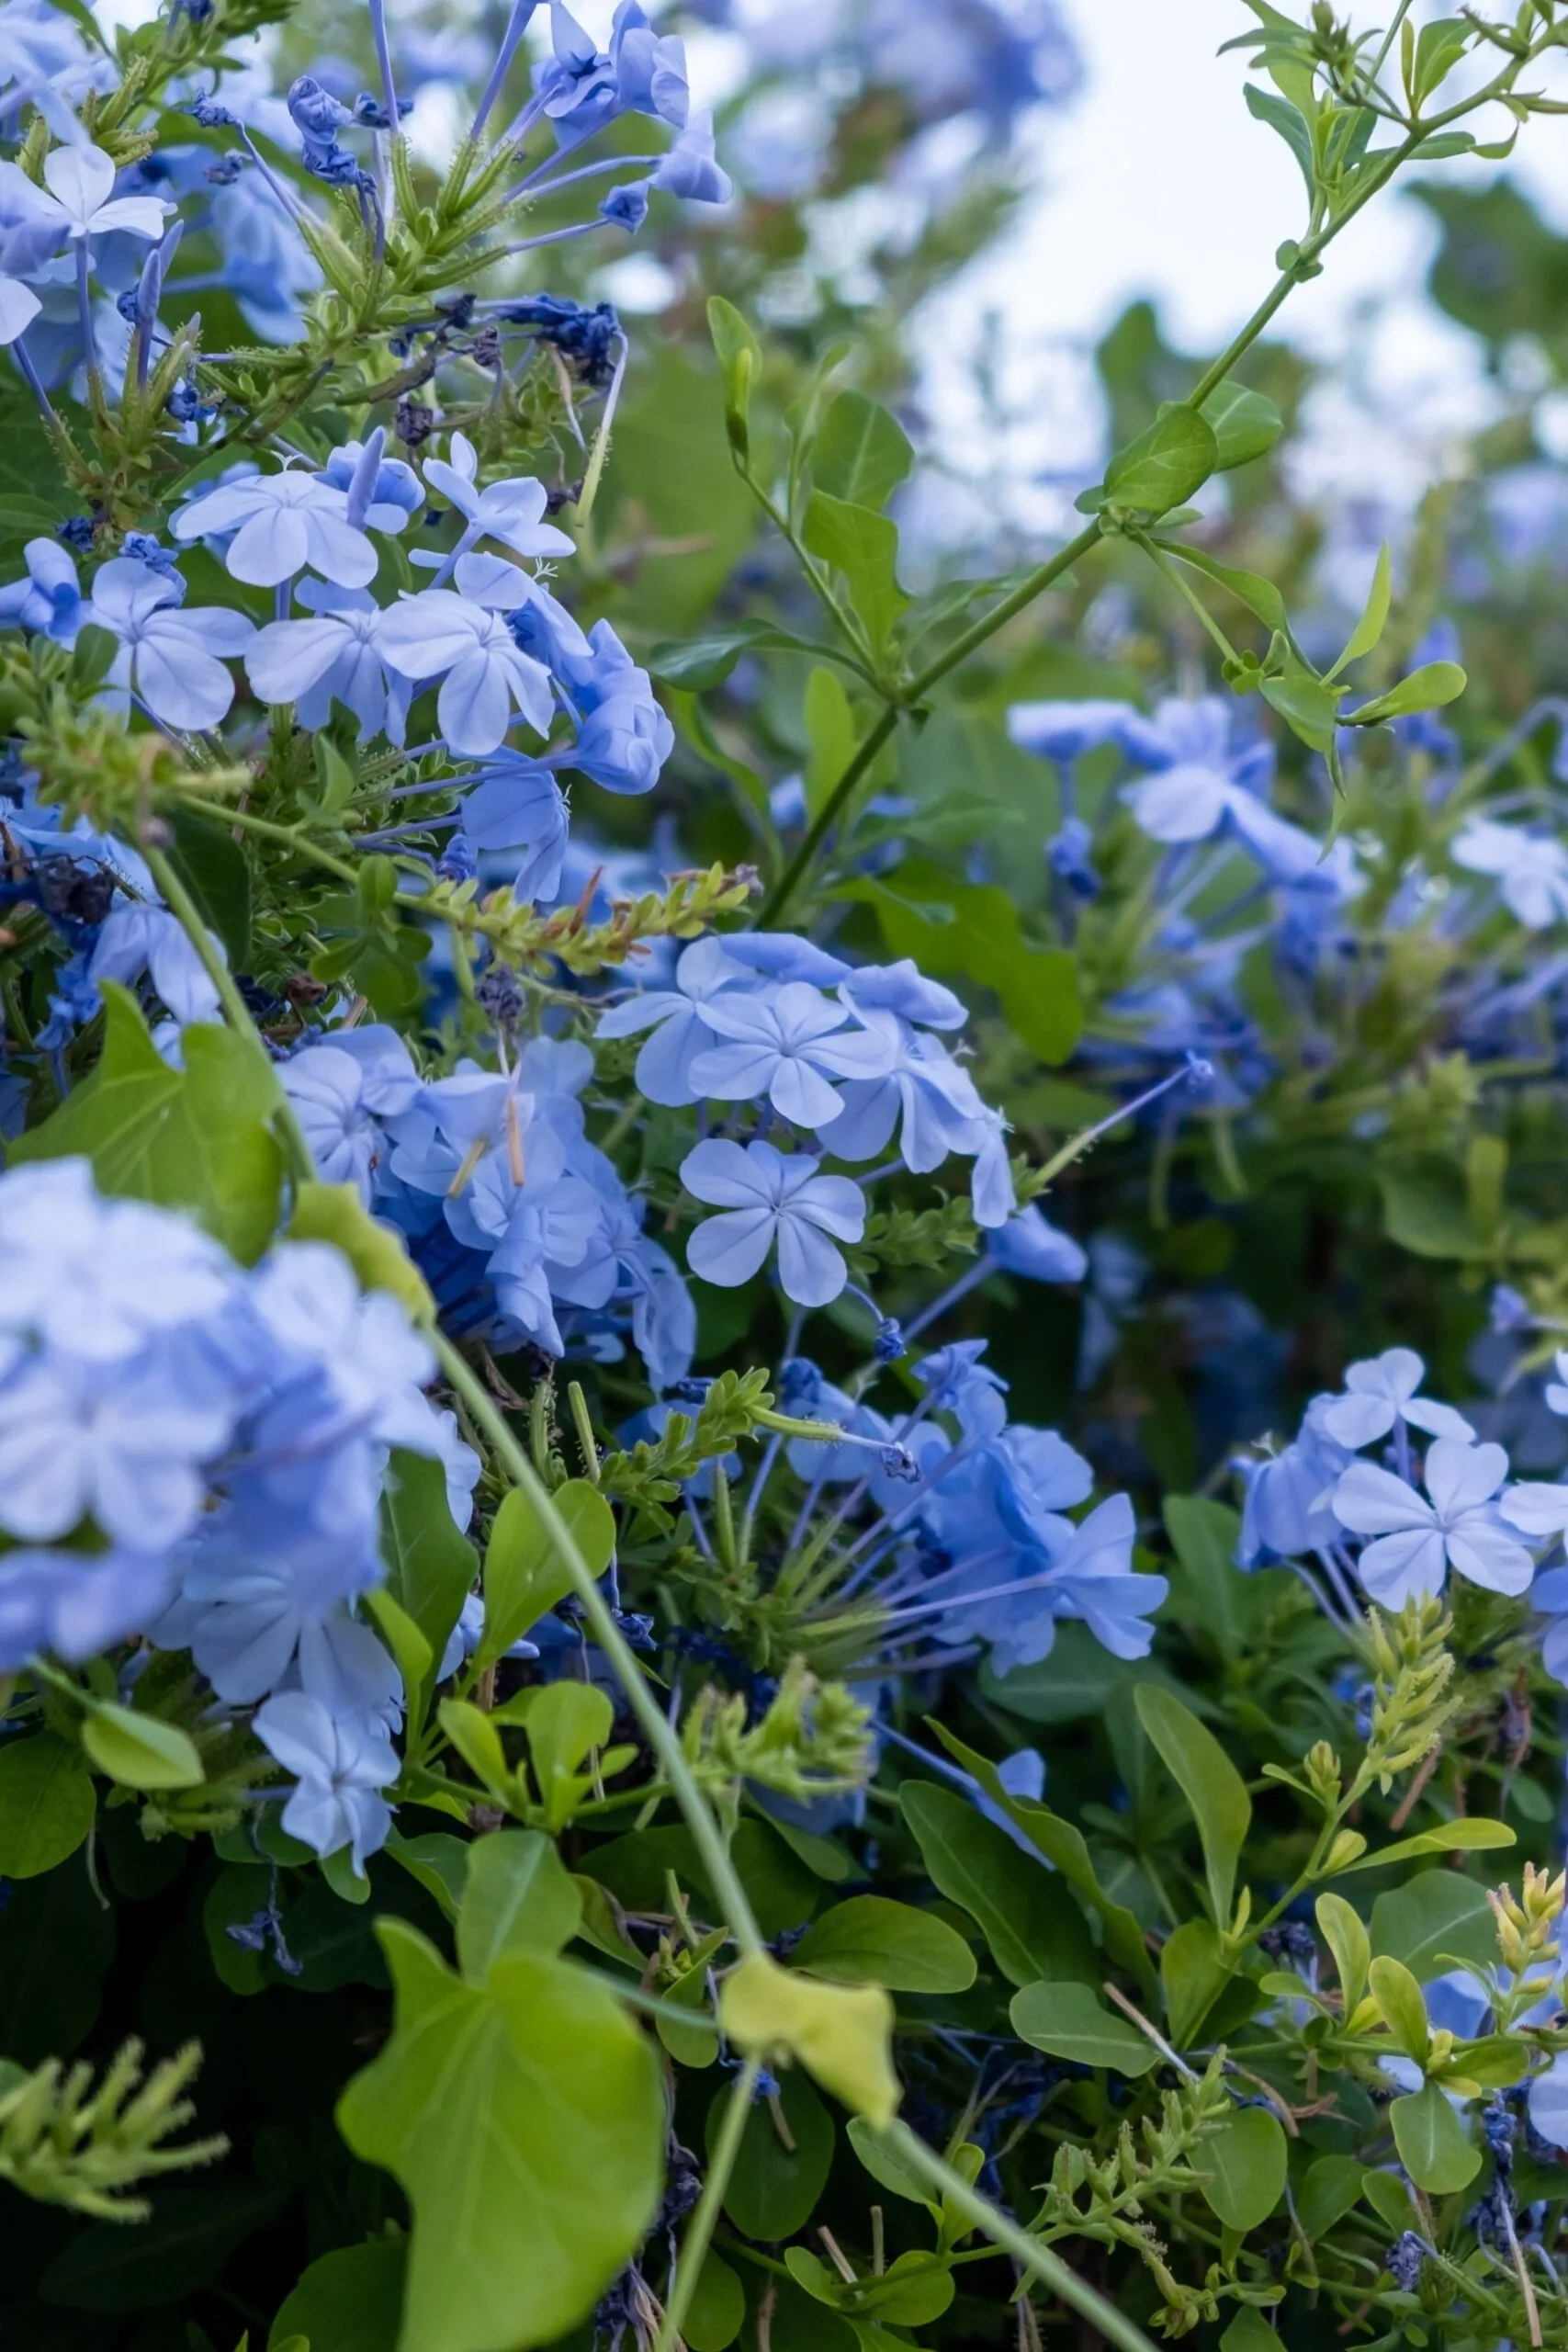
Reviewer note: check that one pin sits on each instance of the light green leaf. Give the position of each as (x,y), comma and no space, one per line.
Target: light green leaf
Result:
(1368,629)
(523,1574)
(861,453)
(431,1566)
(195,1139)
(717,2309)
(1474,1834)
(518,1897)
(1208,1780)
(1164,466)
(1204,1536)
(1436,1920)
(1246,2161)
(1309,706)
(842,2034)
(524,2118)
(566,1721)
(1432,2143)
(1250,2332)
(1193,1973)
(47,1805)
(437,1861)
(1333,2185)
(1249,588)
(139,1751)
(348,2301)
(864,547)
(740,365)
(1029,1918)
(1428,688)
(870,1940)
(1071,2021)
(831,731)
(1064,1847)
(1398,1996)
(699,664)
(1438,48)
(1246,423)
(1288,121)
(879,2153)
(1345,1934)
(412,1651)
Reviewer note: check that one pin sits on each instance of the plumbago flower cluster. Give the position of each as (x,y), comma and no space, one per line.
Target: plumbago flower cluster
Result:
(585,1413)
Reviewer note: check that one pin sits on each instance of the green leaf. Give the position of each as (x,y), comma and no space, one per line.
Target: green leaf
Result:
(1071,2021)
(973,929)
(1031,1923)
(1290,124)
(1438,48)
(192,2232)
(1250,2332)
(526,2119)
(1208,1780)
(1246,2161)
(830,731)
(842,2034)
(195,1139)
(212,865)
(699,664)
(864,546)
(47,1805)
(1428,688)
(1426,1211)
(431,1566)
(740,365)
(348,2301)
(1309,706)
(1193,1973)
(1472,1836)
(1249,588)
(870,1940)
(416,1660)
(139,1751)
(1164,466)
(1344,1933)
(861,453)
(1432,2143)
(1368,629)
(1204,1536)
(518,1897)
(1389,2196)
(773,2189)
(1398,1996)
(56,1942)
(335,1214)
(523,1574)
(879,2153)
(566,1721)
(1064,1847)
(1246,423)
(1333,2185)
(438,1861)
(1436,1920)
(717,2309)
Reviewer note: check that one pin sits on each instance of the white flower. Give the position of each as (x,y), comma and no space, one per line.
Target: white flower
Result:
(439,635)
(1531,869)
(1382,1392)
(1459,1527)
(281,524)
(78,200)
(168,657)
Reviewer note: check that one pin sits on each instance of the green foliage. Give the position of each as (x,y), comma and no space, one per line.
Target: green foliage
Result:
(64,2142)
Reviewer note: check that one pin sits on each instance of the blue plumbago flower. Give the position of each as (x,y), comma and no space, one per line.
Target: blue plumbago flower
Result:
(139,937)
(339,1768)
(19,306)
(48,601)
(1416,1538)
(382,492)
(283,524)
(1382,1392)
(77,199)
(784,1045)
(1066,731)
(691,169)
(675,1017)
(1531,869)
(623,738)
(1029,1247)
(266,264)
(173,660)
(626,207)
(335,658)
(516,804)
(342,1087)
(769,1200)
(485,679)
(512,511)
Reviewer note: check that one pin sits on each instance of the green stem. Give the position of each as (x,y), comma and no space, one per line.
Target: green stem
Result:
(301,1161)
(1048,2268)
(699,2237)
(661,1734)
